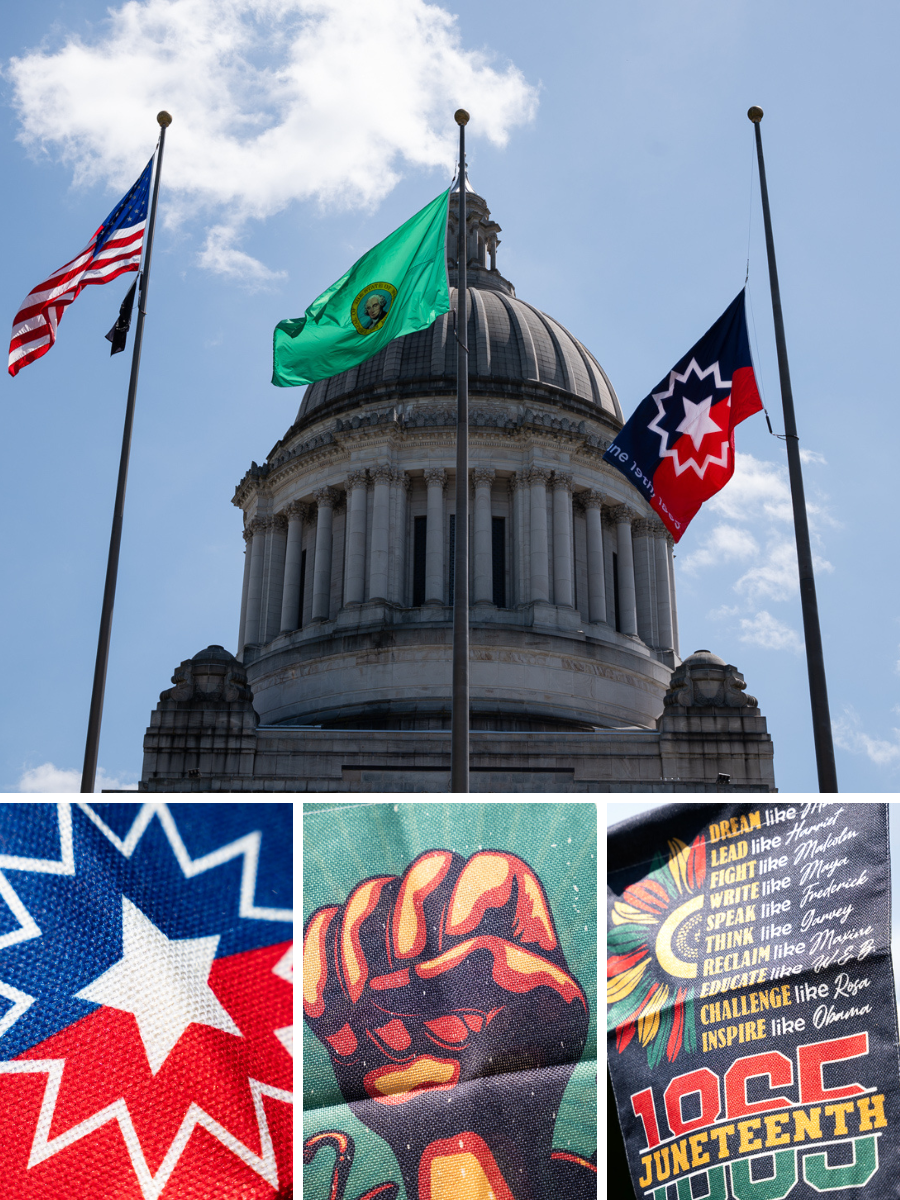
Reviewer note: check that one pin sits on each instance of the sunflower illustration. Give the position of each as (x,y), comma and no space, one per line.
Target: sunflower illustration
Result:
(654,954)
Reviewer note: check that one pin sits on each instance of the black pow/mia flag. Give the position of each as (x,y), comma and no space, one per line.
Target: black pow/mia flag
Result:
(752,1024)
(118,335)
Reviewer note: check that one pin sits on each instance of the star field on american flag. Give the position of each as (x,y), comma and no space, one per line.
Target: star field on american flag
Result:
(146,1001)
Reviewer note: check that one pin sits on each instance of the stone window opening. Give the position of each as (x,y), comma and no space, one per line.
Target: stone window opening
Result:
(420,537)
(498,560)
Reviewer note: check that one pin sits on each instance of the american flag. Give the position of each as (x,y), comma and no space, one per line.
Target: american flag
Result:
(114,249)
(146,1001)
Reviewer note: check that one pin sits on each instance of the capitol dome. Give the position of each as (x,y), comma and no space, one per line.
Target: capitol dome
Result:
(347,603)
(512,344)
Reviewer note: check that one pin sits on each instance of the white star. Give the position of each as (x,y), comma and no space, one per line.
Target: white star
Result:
(697,422)
(163,982)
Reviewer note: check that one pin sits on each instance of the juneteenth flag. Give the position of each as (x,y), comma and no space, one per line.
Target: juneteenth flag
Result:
(677,448)
(399,286)
(751,1020)
(114,249)
(146,1012)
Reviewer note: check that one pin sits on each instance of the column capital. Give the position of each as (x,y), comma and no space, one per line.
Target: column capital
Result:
(591,499)
(298,511)
(278,521)
(533,475)
(514,482)
(641,527)
(258,525)
(382,474)
(326,497)
(248,535)
(355,479)
(621,514)
(400,478)
(482,477)
(435,477)
(656,528)
(561,481)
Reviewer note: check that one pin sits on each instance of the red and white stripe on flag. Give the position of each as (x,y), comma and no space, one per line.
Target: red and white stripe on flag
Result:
(114,249)
(34,327)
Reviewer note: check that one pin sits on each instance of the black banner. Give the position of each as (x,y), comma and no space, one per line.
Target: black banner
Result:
(752,1025)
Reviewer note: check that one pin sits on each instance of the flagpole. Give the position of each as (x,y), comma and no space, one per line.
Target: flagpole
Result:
(815,659)
(92,742)
(459,712)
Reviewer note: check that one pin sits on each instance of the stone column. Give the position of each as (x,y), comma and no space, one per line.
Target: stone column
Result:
(321,605)
(670,554)
(255,583)
(400,489)
(483,590)
(622,516)
(665,638)
(540,567)
(379,551)
(274,583)
(596,575)
(644,576)
(435,478)
(290,597)
(563,564)
(518,540)
(245,587)
(355,553)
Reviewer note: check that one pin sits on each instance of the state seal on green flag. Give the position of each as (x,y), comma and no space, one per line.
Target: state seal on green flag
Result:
(398,287)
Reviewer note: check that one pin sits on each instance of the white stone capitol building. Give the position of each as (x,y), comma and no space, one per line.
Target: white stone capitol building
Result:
(342,676)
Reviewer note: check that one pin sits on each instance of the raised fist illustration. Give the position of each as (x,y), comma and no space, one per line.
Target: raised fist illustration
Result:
(452,1021)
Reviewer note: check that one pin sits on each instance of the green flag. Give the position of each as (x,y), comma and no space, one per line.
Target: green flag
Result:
(398,287)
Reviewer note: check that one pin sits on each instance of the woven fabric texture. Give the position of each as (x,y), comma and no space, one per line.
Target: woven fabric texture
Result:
(449,988)
(146,1001)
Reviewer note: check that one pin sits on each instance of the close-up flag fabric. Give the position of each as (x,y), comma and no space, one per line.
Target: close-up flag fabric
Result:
(677,448)
(146,1001)
(449,997)
(114,249)
(752,1019)
(399,286)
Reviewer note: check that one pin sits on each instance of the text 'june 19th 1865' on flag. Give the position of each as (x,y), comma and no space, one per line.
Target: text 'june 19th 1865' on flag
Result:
(677,448)
(113,250)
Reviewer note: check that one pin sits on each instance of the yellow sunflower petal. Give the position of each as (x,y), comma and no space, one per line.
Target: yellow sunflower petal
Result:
(623,913)
(678,856)
(623,985)
(648,1021)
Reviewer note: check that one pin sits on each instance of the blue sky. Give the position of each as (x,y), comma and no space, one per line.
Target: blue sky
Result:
(612,146)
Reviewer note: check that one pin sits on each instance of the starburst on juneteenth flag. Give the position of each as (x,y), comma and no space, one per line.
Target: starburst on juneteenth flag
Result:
(148,1047)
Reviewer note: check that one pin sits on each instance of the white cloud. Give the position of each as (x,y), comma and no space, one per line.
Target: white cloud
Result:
(849,736)
(770,633)
(221,255)
(813,458)
(50,778)
(757,489)
(273,101)
(778,576)
(723,544)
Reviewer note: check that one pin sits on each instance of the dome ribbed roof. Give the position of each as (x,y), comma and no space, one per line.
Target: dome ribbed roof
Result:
(509,341)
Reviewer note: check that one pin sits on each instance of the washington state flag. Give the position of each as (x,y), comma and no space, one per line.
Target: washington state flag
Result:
(399,286)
